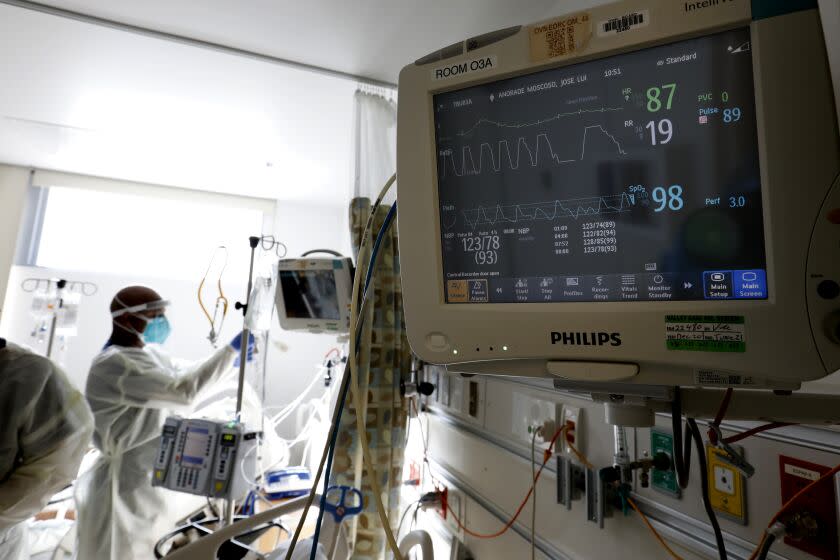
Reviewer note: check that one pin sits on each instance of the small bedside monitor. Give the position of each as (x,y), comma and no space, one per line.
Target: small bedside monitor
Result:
(313,294)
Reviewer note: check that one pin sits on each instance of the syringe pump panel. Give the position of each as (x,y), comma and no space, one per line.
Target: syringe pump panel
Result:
(205,457)
(648,185)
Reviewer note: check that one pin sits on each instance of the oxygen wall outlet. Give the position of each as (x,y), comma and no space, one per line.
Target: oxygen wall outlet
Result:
(817,509)
(662,441)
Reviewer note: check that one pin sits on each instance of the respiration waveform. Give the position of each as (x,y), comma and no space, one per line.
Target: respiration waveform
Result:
(514,154)
(538,122)
(552,210)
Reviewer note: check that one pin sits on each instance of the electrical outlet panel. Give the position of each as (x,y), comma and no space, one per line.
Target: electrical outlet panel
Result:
(529,412)
(443,393)
(573,415)
(473,399)
(727,486)
(456,393)
(454,505)
(818,505)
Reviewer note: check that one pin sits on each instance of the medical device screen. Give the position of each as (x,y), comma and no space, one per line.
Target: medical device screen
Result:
(629,178)
(196,447)
(310,294)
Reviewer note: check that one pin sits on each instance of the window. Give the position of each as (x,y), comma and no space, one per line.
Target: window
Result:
(145,235)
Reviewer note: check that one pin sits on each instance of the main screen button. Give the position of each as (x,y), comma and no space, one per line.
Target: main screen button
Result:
(749,284)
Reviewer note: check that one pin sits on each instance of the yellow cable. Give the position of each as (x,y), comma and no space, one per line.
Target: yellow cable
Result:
(656,534)
(581,457)
(221,297)
(354,381)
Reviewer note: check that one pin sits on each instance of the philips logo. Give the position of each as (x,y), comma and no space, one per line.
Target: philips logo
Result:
(586,338)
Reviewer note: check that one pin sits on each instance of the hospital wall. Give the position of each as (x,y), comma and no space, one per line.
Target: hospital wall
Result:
(13,183)
(483,456)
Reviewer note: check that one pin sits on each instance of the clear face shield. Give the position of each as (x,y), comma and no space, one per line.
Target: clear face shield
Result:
(157,328)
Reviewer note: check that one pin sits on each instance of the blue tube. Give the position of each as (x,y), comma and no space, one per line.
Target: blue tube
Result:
(342,399)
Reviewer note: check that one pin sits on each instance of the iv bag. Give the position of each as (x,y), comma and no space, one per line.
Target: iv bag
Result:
(43,304)
(67,316)
(261,302)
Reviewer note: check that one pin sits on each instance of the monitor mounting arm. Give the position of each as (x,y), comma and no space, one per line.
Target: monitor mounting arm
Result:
(636,405)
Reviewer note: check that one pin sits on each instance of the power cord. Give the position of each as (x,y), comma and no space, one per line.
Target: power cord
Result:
(682,462)
(512,520)
(704,483)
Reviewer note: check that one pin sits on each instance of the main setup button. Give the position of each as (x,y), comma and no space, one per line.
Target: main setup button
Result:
(717,284)
(437,341)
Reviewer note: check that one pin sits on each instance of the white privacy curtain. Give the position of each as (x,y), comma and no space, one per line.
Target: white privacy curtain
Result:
(375,141)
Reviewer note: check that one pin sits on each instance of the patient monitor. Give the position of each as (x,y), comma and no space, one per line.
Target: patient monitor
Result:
(644,192)
(313,294)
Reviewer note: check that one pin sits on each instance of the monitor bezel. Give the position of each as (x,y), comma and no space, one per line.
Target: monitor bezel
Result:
(343,276)
(523,329)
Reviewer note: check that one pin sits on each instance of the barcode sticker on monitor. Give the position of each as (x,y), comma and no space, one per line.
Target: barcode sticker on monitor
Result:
(624,23)
(561,37)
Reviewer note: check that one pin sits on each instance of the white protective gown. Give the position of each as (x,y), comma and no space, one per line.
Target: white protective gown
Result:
(131,392)
(45,429)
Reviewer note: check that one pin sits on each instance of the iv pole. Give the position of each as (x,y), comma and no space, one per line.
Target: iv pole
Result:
(230,506)
(54,322)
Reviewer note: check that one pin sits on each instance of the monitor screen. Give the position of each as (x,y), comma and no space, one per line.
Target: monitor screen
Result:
(629,178)
(310,294)
(196,446)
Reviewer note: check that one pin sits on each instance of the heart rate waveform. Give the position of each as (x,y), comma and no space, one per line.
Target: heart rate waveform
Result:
(552,210)
(542,151)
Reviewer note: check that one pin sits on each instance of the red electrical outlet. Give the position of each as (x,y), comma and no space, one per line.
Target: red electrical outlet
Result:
(819,504)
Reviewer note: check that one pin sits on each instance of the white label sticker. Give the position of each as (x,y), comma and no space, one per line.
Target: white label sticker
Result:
(627,22)
(466,67)
(722,378)
(802,473)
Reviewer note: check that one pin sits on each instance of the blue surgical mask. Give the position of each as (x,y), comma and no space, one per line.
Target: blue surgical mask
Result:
(157,330)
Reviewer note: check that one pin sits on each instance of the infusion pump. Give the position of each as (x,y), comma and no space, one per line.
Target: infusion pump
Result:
(205,457)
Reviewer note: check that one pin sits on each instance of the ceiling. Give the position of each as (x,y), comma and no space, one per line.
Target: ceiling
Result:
(369,38)
(98,100)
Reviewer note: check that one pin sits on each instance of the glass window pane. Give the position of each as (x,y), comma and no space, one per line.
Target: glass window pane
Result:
(138,235)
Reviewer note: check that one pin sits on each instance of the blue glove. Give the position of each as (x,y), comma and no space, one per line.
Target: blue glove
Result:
(236,344)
